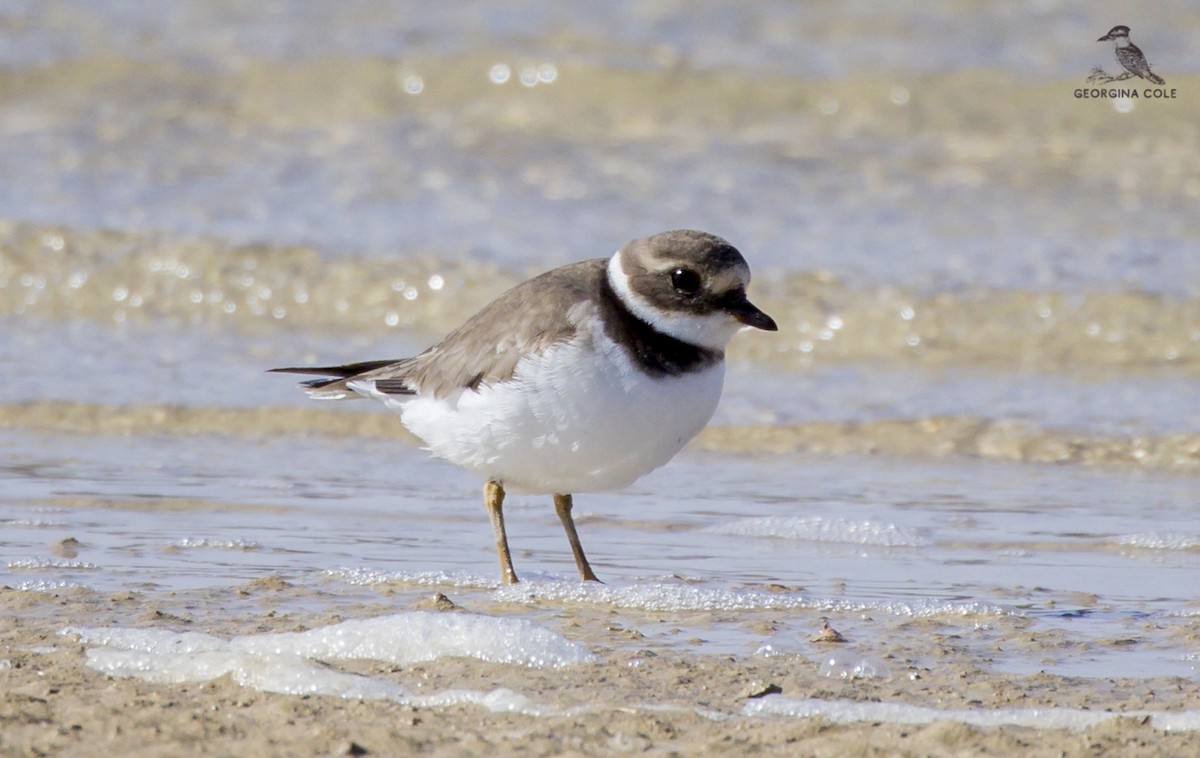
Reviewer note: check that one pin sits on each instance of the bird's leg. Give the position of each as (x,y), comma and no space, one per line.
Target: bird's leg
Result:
(562,505)
(493,498)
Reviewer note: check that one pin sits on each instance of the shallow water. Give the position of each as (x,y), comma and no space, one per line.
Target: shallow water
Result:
(980,408)
(856,538)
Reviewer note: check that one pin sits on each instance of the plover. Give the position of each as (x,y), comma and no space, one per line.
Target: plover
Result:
(1129,55)
(582,379)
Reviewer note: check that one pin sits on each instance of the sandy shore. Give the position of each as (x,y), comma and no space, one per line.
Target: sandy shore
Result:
(640,696)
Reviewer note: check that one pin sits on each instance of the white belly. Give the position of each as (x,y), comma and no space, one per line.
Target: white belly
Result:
(569,421)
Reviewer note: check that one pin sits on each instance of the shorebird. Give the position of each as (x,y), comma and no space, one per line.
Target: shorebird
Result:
(582,379)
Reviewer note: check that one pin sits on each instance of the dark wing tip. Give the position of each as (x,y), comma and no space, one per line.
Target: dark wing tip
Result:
(342,372)
(394,387)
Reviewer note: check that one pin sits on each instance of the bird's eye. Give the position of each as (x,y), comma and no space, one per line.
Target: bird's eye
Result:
(685,281)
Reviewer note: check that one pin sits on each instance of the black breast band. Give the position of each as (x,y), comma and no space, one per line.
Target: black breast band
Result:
(655,353)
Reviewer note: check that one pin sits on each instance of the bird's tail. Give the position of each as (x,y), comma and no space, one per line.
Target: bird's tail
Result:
(1155,78)
(333,387)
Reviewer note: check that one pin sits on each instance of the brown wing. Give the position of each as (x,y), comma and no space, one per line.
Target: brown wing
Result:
(486,349)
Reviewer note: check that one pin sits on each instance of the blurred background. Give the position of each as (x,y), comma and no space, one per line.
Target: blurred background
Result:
(983,281)
(918,144)
(914,184)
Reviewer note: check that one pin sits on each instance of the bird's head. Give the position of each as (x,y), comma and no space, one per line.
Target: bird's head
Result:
(1114,33)
(689,285)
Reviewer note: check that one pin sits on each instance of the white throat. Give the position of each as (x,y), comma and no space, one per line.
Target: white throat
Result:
(712,331)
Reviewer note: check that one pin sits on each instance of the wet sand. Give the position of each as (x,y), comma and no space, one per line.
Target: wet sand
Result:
(973,444)
(53,704)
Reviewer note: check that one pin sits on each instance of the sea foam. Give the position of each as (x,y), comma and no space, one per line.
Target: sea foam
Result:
(850,711)
(674,596)
(1158,541)
(287,663)
(820,529)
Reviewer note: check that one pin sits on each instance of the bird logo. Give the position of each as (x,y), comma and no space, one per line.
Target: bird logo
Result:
(1129,56)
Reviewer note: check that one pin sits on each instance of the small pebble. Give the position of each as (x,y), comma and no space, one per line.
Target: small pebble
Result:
(828,634)
(438,602)
(756,690)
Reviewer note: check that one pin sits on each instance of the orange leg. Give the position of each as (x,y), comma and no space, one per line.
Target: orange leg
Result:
(562,505)
(493,498)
